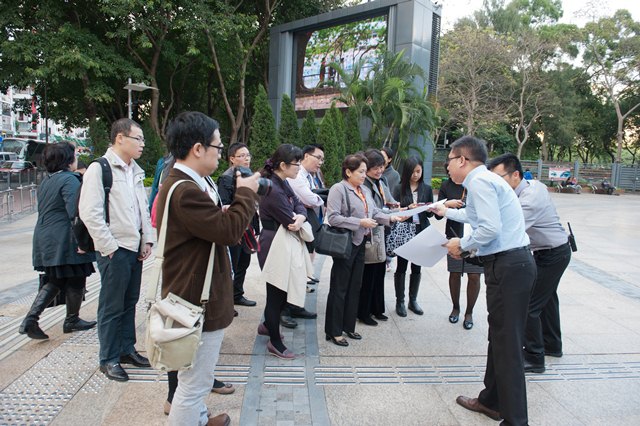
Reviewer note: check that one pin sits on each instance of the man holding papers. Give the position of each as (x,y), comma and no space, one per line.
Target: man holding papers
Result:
(552,254)
(498,237)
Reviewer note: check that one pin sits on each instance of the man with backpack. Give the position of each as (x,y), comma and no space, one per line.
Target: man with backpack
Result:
(122,243)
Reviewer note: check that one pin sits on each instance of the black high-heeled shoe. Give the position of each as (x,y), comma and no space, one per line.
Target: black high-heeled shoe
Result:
(354,335)
(341,342)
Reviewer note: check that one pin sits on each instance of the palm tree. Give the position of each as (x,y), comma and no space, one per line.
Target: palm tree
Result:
(388,95)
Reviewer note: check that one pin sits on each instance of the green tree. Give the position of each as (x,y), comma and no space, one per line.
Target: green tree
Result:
(612,54)
(475,79)
(353,140)
(393,96)
(288,132)
(332,156)
(263,140)
(309,129)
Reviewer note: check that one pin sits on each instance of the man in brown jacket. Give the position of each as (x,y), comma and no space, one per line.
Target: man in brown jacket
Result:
(195,221)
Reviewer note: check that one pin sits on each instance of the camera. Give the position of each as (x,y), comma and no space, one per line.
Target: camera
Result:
(264,185)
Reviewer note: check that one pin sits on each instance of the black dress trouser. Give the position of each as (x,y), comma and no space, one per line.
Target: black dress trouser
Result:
(509,277)
(543,322)
(344,293)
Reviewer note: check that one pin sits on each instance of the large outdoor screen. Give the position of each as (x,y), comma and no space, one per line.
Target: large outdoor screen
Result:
(317,83)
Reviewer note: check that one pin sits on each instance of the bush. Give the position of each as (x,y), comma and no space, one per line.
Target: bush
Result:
(148,181)
(263,140)
(309,129)
(288,131)
(436,183)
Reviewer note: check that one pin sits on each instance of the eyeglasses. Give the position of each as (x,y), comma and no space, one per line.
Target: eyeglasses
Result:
(506,174)
(377,168)
(319,157)
(139,139)
(448,160)
(218,147)
(294,164)
(242,156)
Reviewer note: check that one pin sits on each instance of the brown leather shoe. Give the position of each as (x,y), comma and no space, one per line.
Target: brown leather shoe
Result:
(219,420)
(474,405)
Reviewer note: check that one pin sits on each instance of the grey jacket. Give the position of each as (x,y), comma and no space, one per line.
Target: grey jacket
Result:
(53,240)
(338,216)
(122,231)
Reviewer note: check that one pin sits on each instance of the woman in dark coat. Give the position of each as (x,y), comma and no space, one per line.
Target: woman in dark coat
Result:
(55,250)
(280,208)
(411,192)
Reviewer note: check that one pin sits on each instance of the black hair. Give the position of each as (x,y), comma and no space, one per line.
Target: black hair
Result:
(59,156)
(285,153)
(470,147)
(188,129)
(234,147)
(509,161)
(389,151)
(123,126)
(374,158)
(352,162)
(308,149)
(407,170)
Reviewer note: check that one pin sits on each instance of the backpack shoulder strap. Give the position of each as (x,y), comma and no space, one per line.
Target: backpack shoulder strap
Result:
(107,182)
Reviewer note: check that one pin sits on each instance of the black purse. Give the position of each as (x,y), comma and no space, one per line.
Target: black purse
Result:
(333,241)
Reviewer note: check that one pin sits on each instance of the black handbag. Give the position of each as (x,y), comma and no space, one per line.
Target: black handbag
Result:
(333,241)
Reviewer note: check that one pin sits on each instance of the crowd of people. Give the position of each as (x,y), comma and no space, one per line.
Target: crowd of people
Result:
(522,266)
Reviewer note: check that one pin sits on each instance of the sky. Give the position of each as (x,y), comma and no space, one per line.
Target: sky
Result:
(452,10)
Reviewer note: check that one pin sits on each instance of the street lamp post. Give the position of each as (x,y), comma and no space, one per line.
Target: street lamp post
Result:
(138,87)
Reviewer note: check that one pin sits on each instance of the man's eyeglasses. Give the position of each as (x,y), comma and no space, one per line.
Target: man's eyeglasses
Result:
(242,156)
(294,164)
(139,139)
(448,160)
(218,147)
(506,174)
(319,157)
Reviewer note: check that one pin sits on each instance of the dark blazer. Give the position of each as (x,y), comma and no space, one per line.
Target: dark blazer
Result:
(277,208)
(227,191)
(425,195)
(53,240)
(194,222)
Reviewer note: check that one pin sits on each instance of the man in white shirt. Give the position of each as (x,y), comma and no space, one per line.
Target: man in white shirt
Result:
(303,186)
(122,245)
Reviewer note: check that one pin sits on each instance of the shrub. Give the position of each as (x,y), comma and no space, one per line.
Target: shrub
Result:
(263,140)
(288,131)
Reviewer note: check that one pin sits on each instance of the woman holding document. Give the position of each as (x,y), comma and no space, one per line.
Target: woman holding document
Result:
(411,192)
(350,206)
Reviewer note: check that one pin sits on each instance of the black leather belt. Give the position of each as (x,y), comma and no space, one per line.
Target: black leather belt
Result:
(491,257)
(561,246)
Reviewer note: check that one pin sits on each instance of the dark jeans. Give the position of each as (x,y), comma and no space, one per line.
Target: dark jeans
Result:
(240,261)
(119,292)
(509,277)
(344,292)
(550,264)
(372,290)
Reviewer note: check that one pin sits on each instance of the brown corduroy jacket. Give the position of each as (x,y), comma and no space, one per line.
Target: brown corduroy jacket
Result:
(194,222)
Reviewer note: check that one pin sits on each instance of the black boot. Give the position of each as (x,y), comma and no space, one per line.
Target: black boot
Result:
(73,322)
(30,325)
(398,280)
(414,286)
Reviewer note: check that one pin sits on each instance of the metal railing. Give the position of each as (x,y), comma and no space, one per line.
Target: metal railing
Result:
(18,194)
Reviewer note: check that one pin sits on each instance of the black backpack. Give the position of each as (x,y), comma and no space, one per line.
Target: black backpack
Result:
(85,242)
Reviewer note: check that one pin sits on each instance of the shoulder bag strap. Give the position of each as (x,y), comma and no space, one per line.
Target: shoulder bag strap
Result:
(346,195)
(156,272)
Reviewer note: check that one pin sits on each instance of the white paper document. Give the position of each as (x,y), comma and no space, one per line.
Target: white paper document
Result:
(406,213)
(425,249)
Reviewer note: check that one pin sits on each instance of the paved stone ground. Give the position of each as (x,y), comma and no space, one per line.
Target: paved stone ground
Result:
(404,371)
